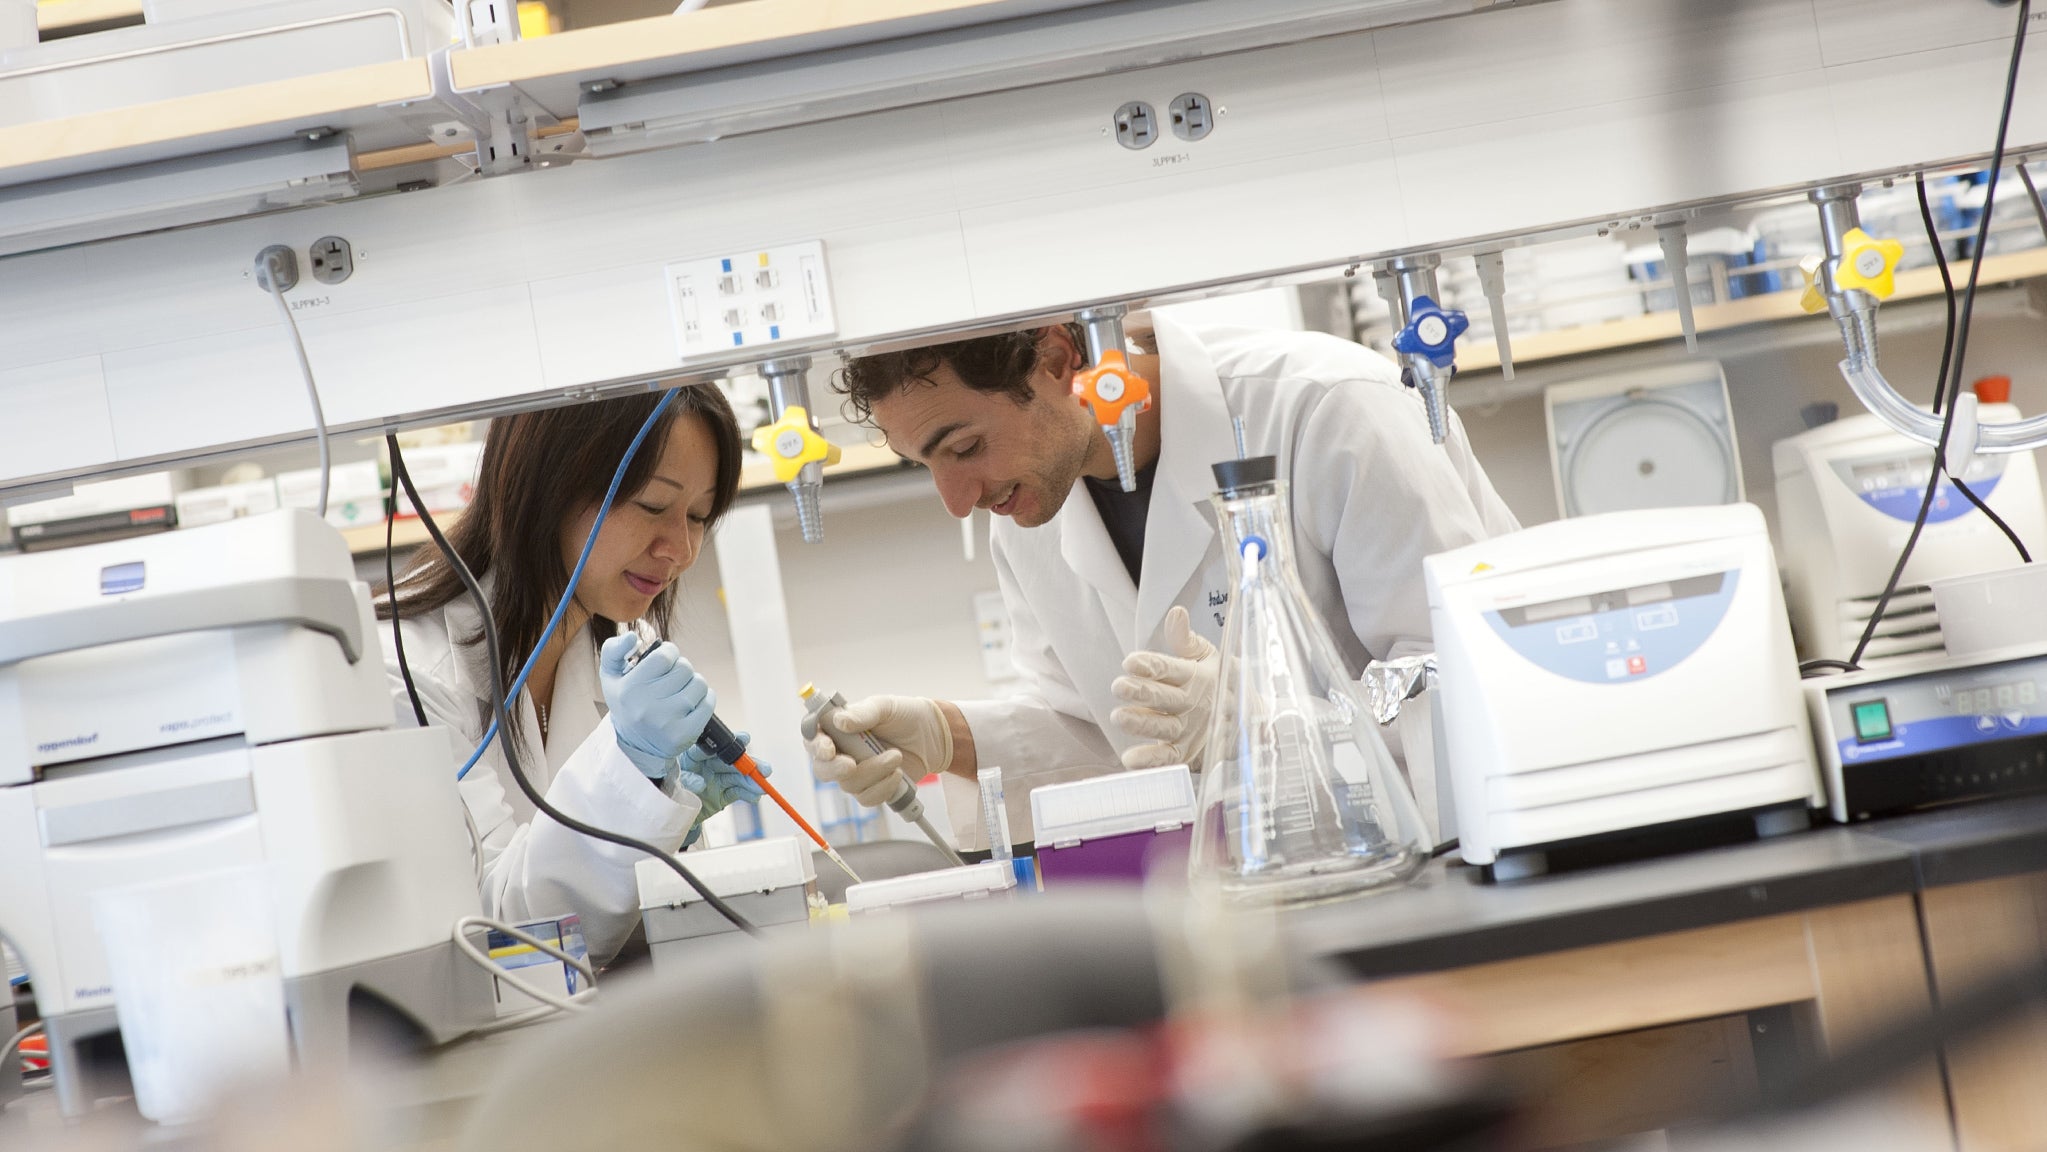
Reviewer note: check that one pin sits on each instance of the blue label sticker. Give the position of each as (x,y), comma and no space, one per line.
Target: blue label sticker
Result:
(119,579)
(1938,734)
(1621,635)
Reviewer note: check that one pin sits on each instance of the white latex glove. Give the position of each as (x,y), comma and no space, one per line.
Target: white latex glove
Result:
(914,729)
(1168,696)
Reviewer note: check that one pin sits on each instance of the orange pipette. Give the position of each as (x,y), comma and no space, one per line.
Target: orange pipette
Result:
(752,772)
(719,741)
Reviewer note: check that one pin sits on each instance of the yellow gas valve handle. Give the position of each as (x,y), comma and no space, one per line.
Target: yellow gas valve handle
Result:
(1868,263)
(791,443)
(1813,300)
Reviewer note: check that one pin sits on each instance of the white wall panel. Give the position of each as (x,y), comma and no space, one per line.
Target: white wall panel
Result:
(1520,174)
(486,346)
(1859,30)
(1025,145)
(737,193)
(54,417)
(1880,118)
(51,307)
(1209,225)
(218,388)
(1447,74)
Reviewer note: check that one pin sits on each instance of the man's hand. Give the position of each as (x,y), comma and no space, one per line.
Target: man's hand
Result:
(1167,697)
(918,736)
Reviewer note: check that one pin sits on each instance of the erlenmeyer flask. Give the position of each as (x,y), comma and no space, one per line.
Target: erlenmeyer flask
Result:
(1300,800)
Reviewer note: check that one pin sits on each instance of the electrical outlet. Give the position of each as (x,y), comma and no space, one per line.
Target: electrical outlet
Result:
(332,259)
(750,299)
(287,268)
(1191,115)
(1136,125)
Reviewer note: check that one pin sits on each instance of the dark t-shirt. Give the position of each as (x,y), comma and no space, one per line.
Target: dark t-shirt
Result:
(1123,515)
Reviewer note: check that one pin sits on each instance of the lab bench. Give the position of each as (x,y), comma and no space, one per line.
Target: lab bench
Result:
(1642,994)
(1710,968)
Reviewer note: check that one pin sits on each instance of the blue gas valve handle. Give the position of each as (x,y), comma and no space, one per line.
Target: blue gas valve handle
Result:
(1432,332)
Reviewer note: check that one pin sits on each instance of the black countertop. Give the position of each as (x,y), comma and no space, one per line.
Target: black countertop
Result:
(1973,842)
(1449,917)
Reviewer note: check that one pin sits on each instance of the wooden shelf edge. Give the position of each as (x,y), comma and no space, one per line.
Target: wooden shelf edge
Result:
(709,33)
(68,14)
(283,103)
(1634,331)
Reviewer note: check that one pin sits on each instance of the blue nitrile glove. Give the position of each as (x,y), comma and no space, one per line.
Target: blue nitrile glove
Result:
(719,784)
(659,707)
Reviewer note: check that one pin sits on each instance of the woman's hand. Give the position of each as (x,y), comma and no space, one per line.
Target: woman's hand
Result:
(719,784)
(659,707)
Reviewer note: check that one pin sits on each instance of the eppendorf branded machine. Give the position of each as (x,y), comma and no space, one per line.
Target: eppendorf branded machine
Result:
(215,698)
(1617,672)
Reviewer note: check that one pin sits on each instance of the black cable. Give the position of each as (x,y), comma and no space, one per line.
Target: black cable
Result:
(1947,283)
(1445,848)
(2025,557)
(1822,666)
(509,745)
(1947,349)
(391,592)
(2033,194)
(1947,426)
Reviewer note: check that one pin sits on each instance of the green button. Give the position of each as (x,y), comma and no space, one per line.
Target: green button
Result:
(1872,721)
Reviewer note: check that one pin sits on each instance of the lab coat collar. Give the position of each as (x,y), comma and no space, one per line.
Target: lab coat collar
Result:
(1085,546)
(1194,433)
(578,691)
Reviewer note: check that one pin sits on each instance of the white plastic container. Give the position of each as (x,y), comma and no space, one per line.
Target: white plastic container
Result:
(769,882)
(355,492)
(973,882)
(198,988)
(216,505)
(1986,611)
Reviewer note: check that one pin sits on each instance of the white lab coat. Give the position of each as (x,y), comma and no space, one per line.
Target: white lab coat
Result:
(1371,496)
(532,866)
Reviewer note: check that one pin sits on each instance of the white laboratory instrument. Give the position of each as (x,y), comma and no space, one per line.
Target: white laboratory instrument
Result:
(1658,438)
(1847,493)
(1931,730)
(215,698)
(1617,672)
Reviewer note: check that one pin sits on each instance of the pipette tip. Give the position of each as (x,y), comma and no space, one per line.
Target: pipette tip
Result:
(843,866)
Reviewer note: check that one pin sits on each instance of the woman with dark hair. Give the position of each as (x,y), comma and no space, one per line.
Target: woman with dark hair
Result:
(606,744)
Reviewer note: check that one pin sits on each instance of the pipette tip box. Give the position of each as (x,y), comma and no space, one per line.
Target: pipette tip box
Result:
(769,882)
(993,878)
(1115,827)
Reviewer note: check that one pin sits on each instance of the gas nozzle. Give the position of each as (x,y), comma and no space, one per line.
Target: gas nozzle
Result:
(1111,390)
(792,442)
(1427,340)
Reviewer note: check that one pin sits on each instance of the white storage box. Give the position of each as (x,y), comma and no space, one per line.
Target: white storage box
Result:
(973,882)
(767,881)
(226,502)
(355,493)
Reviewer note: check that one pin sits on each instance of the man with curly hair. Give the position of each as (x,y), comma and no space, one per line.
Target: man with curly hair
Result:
(1116,599)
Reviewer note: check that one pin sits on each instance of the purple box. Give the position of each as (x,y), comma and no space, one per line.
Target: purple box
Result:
(1114,828)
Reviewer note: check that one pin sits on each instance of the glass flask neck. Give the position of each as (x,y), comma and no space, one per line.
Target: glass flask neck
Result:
(1255,526)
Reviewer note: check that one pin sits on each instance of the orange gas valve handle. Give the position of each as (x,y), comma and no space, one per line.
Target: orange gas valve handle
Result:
(1110,387)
